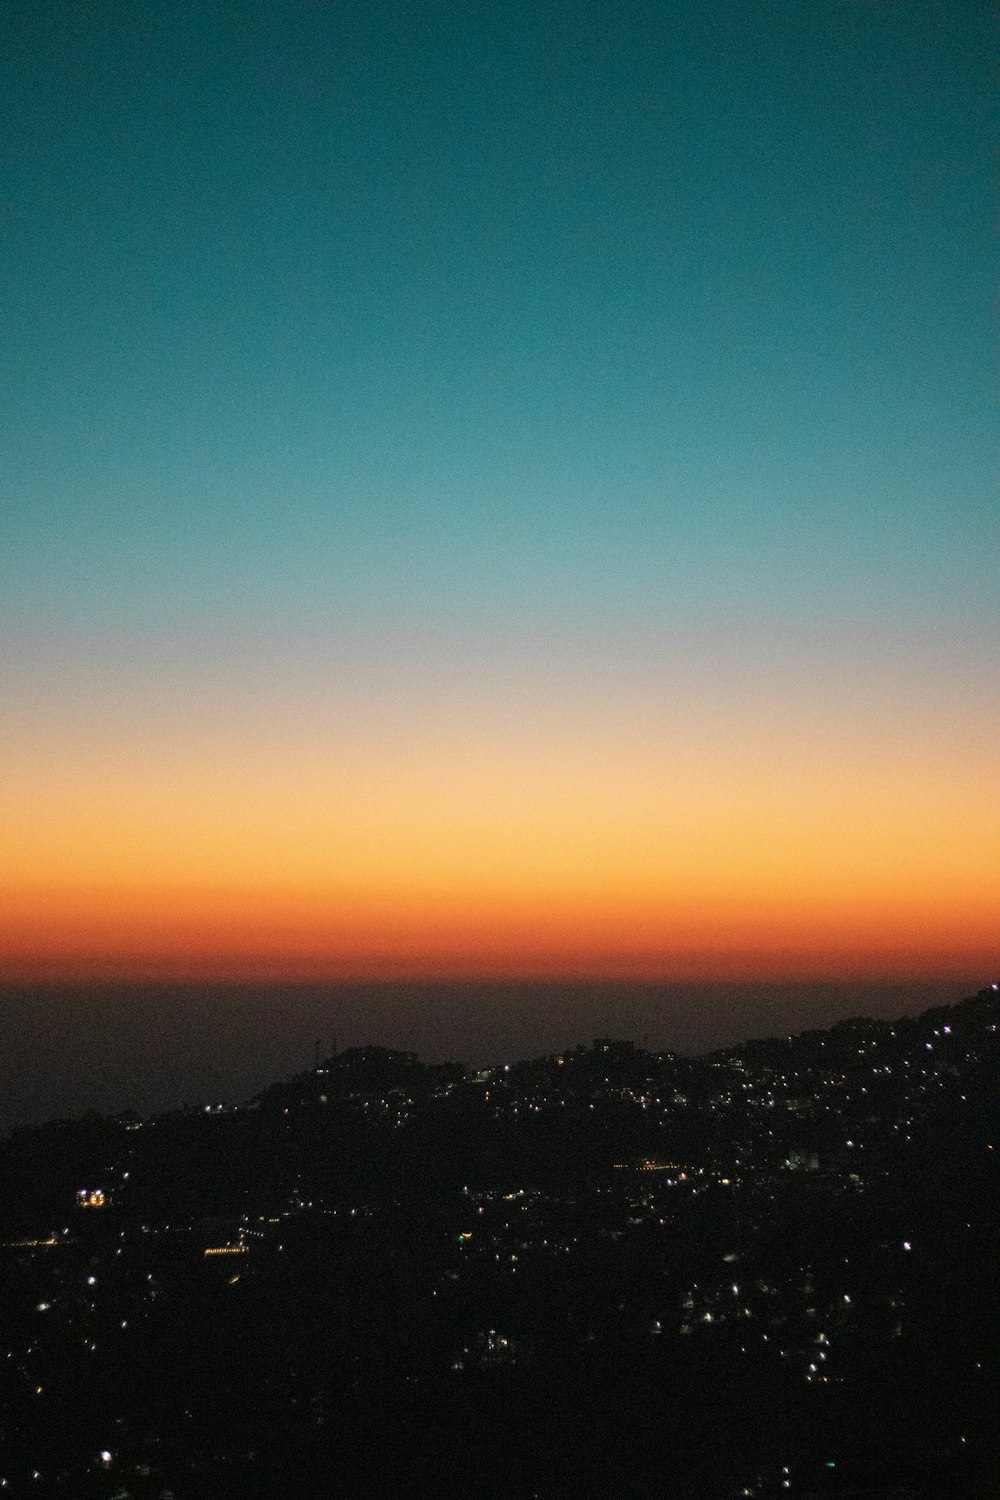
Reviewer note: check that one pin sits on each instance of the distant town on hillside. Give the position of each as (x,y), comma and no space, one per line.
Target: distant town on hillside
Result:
(607,1272)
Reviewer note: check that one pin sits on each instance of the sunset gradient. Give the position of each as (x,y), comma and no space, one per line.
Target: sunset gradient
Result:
(698,806)
(498,493)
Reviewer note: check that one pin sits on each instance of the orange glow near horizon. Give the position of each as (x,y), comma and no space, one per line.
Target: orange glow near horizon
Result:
(818,904)
(643,829)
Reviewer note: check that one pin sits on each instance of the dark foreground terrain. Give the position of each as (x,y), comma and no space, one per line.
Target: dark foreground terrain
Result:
(768,1271)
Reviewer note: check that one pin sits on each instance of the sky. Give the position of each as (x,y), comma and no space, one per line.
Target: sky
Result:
(498,490)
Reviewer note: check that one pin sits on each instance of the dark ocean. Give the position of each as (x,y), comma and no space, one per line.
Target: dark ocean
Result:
(67,1049)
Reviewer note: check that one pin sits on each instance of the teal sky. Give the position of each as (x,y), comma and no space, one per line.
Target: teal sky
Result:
(335,316)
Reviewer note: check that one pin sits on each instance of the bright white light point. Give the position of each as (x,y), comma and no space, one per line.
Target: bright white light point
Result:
(105,1456)
(907,1245)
